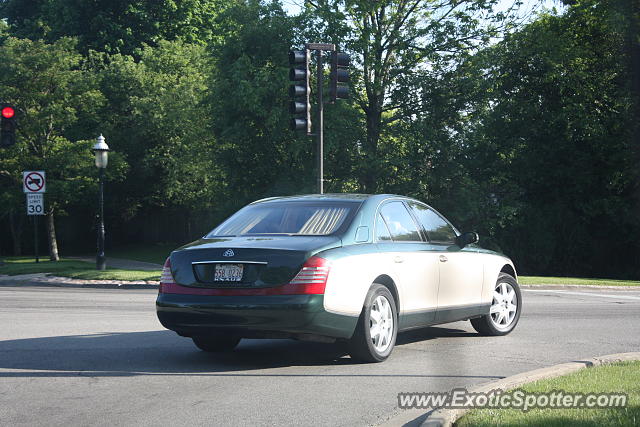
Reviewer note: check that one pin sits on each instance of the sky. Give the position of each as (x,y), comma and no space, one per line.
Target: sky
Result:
(293,6)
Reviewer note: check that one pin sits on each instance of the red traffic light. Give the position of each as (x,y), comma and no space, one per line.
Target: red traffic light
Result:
(8,112)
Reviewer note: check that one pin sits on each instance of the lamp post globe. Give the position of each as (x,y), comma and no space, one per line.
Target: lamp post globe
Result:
(101,151)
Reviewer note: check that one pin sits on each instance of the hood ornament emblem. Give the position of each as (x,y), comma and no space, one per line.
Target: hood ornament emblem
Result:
(228,253)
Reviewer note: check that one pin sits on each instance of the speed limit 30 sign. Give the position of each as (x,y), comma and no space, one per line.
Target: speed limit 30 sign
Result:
(35,204)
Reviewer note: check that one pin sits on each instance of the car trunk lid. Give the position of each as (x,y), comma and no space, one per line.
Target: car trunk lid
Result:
(245,261)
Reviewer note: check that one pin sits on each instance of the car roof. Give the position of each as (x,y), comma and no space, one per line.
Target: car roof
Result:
(317,197)
(354,197)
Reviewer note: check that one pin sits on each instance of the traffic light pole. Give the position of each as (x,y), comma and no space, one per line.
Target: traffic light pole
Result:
(320,132)
(319,48)
(297,74)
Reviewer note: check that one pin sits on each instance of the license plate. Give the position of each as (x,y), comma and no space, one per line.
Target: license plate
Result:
(228,273)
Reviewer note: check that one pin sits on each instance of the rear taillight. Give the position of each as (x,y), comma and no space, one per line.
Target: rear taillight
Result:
(166,278)
(312,277)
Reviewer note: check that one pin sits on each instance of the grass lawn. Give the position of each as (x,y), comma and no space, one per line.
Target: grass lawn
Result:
(535,280)
(156,254)
(615,378)
(72,268)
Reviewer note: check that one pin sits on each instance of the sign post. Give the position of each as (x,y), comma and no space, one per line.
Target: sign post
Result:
(34,185)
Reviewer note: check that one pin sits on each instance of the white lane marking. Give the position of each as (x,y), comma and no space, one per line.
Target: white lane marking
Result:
(588,294)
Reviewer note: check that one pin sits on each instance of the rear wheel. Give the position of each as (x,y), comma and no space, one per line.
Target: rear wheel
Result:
(216,343)
(375,334)
(505,308)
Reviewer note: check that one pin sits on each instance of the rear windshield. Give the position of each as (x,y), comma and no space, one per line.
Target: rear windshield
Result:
(292,218)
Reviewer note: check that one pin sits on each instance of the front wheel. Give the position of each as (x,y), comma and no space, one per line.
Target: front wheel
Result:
(375,334)
(505,308)
(217,343)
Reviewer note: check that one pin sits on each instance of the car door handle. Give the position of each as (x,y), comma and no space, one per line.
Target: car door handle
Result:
(398,259)
(443,258)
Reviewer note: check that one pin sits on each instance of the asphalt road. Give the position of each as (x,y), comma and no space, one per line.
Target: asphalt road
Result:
(100,357)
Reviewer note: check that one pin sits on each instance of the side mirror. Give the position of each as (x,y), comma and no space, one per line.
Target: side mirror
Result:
(467,238)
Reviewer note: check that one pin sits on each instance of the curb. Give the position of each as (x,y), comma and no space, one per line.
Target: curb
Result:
(45,280)
(75,286)
(48,280)
(447,417)
(551,287)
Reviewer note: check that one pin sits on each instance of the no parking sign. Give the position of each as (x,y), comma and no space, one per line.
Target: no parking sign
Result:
(33,182)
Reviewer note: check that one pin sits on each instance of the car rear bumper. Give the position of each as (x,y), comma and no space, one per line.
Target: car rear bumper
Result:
(252,316)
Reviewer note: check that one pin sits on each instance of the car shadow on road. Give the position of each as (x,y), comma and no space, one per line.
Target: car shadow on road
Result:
(424,334)
(163,353)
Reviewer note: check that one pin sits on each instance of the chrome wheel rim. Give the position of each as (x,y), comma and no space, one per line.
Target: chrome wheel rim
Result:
(381,324)
(504,306)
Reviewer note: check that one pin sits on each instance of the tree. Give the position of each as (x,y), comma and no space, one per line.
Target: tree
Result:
(551,144)
(114,26)
(159,119)
(53,95)
(258,154)
(395,43)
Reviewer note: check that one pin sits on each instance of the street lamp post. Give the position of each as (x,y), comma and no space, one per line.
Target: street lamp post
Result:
(101,150)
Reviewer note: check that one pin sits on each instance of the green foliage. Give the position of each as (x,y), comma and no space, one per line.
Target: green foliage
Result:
(394,44)
(114,26)
(551,142)
(55,98)
(158,119)
(259,156)
(525,135)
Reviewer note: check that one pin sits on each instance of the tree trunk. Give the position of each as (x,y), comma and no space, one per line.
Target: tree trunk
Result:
(189,238)
(15,225)
(374,125)
(51,235)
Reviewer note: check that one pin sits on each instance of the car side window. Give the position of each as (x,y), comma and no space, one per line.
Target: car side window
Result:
(382,232)
(400,223)
(438,230)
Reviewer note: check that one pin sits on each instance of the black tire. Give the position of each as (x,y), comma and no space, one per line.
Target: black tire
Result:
(216,343)
(485,325)
(361,346)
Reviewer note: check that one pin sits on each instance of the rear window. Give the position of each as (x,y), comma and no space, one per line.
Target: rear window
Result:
(295,218)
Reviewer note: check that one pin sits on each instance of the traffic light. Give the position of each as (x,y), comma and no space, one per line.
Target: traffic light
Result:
(300,91)
(7,125)
(339,74)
